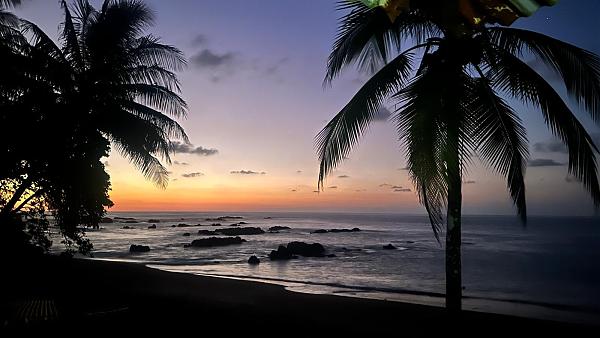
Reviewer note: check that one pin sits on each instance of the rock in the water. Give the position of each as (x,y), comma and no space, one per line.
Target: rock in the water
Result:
(306,250)
(253,260)
(323,231)
(389,247)
(215,225)
(206,232)
(139,248)
(215,241)
(127,227)
(153,226)
(278,227)
(130,221)
(106,220)
(152,220)
(186,234)
(125,218)
(320,231)
(183,225)
(282,253)
(240,231)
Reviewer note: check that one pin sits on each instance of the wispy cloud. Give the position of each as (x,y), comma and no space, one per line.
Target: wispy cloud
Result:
(470,182)
(199,40)
(343,176)
(544,162)
(192,175)
(333,187)
(180,163)
(207,58)
(402,190)
(188,148)
(550,147)
(247,172)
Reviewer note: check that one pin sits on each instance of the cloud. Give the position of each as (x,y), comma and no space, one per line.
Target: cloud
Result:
(385,185)
(188,148)
(192,175)
(207,58)
(556,146)
(333,187)
(180,163)
(402,190)
(343,176)
(550,147)
(199,40)
(544,162)
(383,114)
(470,182)
(360,190)
(247,172)
(397,187)
(294,190)
(298,171)
(275,68)
(405,168)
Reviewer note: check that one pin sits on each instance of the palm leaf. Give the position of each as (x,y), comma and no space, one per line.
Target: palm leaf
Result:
(579,68)
(509,74)
(338,137)
(502,140)
(368,36)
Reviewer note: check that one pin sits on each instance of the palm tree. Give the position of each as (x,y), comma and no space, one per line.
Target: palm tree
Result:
(117,80)
(450,88)
(105,82)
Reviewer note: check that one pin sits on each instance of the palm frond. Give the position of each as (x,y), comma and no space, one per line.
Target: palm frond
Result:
(148,51)
(9,3)
(338,137)
(154,75)
(578,68)
(510,74)
(68,34)
(502,140)
(368,36)
(158,97)
(171,128)
(420,126)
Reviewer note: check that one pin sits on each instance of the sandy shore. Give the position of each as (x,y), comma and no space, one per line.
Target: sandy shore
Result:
(62,295)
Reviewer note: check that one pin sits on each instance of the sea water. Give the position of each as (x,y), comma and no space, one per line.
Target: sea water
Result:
(549,268)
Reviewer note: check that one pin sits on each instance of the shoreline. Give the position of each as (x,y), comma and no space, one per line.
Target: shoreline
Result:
(99,295)
(512,307)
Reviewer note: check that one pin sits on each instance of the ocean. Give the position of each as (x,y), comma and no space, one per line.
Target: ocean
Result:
(549,269)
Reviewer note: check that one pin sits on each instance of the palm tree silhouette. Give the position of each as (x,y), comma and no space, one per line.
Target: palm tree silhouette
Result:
(116,80)
(453,105)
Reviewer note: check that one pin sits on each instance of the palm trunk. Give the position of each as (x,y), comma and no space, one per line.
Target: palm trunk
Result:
(453,231)
(8,208)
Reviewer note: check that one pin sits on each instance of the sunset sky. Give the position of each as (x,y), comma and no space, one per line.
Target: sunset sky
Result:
(254,89)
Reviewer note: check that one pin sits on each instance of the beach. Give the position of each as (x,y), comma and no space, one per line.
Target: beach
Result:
(102,297)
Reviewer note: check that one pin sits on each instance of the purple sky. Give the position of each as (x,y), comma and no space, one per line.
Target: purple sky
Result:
(254,87)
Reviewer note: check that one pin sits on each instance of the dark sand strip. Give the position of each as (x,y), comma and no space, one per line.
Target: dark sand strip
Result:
(104,297)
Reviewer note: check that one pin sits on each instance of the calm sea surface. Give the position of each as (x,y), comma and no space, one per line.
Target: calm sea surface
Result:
(550,269)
